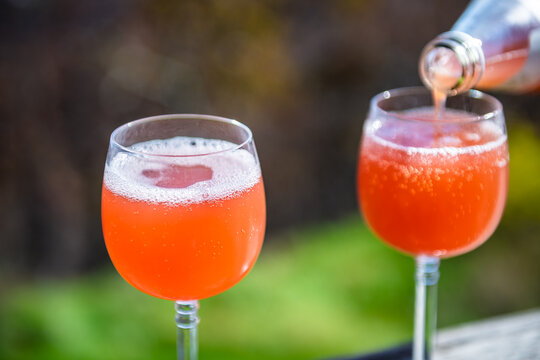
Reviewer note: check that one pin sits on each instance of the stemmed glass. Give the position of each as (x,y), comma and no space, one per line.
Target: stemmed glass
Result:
(183,210)
(432,187)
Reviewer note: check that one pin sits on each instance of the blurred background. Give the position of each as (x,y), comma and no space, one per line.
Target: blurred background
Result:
(300,74)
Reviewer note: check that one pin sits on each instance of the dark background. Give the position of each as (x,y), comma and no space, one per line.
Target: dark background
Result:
(299,73)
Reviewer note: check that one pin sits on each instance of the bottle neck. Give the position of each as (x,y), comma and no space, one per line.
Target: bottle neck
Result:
(452,63)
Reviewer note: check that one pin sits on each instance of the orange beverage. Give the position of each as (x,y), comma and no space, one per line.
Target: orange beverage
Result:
(187,228)
(433,187)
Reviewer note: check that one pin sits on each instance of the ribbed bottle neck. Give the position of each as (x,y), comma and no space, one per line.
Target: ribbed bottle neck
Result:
(452,63)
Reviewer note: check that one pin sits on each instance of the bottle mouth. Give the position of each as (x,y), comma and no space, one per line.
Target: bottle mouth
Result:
(452,63)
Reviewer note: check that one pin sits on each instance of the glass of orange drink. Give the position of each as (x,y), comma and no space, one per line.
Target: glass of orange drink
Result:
(183,210)
(432,185)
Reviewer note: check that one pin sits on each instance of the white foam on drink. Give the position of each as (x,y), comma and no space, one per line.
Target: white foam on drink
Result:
(423,131)
(234,171)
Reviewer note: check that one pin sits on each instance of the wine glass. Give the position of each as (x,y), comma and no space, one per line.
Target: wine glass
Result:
(432,187)
(183,210)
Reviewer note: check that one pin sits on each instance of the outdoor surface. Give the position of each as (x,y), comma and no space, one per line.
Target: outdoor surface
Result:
(300,75)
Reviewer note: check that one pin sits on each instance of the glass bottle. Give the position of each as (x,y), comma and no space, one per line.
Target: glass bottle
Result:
(495,44)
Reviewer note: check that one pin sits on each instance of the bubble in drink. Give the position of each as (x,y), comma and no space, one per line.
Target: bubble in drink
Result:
(181,179)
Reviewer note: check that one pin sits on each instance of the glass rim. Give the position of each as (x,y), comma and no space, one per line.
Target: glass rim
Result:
(420,90)
(214,118)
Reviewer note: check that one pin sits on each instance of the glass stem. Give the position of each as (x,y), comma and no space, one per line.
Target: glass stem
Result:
(425,312)
(187,320)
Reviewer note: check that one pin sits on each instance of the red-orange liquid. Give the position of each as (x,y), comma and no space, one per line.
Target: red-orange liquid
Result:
(501,68)
(183,250)
(428,201)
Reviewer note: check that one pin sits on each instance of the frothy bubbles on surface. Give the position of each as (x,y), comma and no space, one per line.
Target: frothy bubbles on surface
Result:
(424,135)
(232,171)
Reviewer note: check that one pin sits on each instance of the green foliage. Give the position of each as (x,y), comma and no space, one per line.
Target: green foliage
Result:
(523,205)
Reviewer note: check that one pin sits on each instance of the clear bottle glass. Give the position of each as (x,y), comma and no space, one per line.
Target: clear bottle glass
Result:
(494,44)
